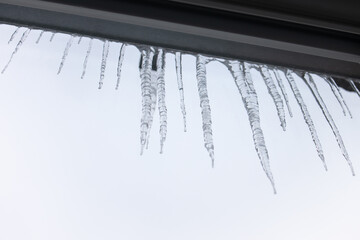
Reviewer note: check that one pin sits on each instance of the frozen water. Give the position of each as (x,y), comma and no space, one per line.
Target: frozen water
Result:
(274,94)
(306,115)
(205,105)
(311,84)
(178,65)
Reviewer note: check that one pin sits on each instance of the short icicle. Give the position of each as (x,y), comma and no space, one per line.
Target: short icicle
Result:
(80,38)
(145,76)
(243,81)
(40,36)
(311,84)
(274,94)
(22,40)
(105,54)
(13,35)
(283,91)
(205,105)
(86,58)
(65,54)
(352,84)
(161,97)
(336,93)
(306,115)
(340,94)
(178,65)
(120,62)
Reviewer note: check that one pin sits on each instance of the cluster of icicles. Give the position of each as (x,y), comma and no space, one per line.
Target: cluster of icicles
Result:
(152,72)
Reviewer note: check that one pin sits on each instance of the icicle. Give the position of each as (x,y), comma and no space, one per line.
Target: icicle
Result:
(306,115)
(274,94)
(103,62)
(145,75)
(178,64)
(336,93)
(354,87)
(13,35)
(120,62)
(66,52)
(86,58)
(340,94)
(161,99)
(40,36)
(52,37)
(22,40)
(153,93)
(205,105)
(311,84)
(80,38)
(283,91)
(243,81)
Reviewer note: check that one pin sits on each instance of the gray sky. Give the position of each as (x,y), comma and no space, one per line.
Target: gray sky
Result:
(70,166)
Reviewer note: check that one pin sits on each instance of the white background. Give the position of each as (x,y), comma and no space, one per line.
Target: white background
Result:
(70,166)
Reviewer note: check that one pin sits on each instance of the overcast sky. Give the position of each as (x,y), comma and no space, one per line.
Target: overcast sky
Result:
(70,166)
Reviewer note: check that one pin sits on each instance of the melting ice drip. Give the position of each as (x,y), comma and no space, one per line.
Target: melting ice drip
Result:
(153,90)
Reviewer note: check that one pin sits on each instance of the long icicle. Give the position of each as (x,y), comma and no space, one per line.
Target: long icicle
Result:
(161,99)
(243,81)
(274,94)
(311,84)
(120,62)
(336,94)
(340,94)
(13,35)
(352,84)
(22,40)
(86,58)
(178,65)
(283,91)
(153,93)
(105,54)
(145,76)
(66,52)
(306,115)
(205,105)
(40,36)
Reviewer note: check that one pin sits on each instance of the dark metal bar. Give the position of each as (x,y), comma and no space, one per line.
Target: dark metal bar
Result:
(197,29)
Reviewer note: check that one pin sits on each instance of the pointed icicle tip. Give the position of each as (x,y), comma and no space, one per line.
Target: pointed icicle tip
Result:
(352,170)
(270,177)
(141,149)
(274,189)
(212,156)
(161,148)
(325,166)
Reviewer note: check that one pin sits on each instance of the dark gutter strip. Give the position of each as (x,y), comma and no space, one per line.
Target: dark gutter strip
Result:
(197,29)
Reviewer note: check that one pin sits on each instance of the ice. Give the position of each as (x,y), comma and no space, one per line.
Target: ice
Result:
(105,54)
(205,105)
(66,52)
(178,65)
(145,76)
(311,84)
(274,94)
(306,115)
(241,74)
(86,58)
(120,62)
(161,97)
(22,40)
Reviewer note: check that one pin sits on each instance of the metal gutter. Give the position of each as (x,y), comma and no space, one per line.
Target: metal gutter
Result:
(197,29)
